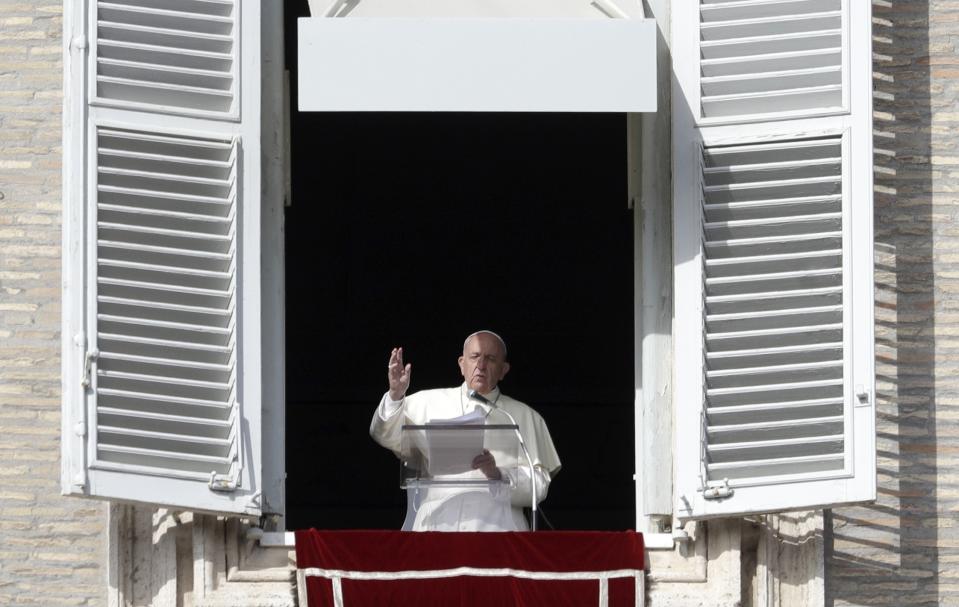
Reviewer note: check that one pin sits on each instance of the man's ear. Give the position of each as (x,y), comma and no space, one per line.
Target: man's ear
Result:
(505,370)
(459,361)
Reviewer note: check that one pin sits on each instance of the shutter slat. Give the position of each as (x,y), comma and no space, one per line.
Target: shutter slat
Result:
(726,10)
(719,88)
(784,101)
(155,267)
(788,467)
(165,417)
(771,352)
(761,446)
(771,62)
(135,140)
(140,71)
(118,208)
(777,411)
(742,389)
(737,299)
(172,92)
(160,194)
(792,424)
(766,245)
(163,436)
(797,223)
(140,397)
(196,40)
(771,259)
(144,322)
(712,319)
(759,46)
(766,369)
(186,57)
(149,248)
(162,15)
(144,453)
(148,342)
(162,379)
(157,286)
(775,332)
(140,155)
(775,25)
(226,368)
(143,229)
(174,177)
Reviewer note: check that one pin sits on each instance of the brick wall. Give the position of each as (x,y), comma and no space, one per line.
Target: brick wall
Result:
(904,549)
(52,548)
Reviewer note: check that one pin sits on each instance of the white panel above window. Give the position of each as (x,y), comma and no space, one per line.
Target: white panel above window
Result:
(177,56)
(472,9)
(483,57)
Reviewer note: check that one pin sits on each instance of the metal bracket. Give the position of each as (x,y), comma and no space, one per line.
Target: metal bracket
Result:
(717,491)
(224,484)
(88,361)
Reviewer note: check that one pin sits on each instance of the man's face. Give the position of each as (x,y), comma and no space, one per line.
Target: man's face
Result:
(483,363)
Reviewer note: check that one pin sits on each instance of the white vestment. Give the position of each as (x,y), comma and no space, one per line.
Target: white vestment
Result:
(462,509)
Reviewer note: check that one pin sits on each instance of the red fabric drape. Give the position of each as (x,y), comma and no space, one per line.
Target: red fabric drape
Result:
(565,556)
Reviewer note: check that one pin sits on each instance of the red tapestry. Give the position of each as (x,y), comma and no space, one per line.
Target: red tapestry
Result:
(554,568)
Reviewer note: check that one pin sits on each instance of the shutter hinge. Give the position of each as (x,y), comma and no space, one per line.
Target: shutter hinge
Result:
(88,360)
(79,43)
(717,490)
(222,483)
(863,396)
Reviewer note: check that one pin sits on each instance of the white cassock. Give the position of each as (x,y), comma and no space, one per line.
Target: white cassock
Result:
(469,509)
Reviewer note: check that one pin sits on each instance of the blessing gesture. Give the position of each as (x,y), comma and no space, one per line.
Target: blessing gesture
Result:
(398,375)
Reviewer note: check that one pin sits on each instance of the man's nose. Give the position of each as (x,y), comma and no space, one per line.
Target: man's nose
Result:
(481,364)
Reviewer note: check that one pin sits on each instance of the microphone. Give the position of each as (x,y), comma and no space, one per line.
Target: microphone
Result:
(476,395)
(522,443)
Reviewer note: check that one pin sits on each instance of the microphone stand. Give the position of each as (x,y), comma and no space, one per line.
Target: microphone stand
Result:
(529,460)
(522,443)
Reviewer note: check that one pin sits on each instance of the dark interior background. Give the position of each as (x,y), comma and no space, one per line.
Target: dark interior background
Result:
(417,229)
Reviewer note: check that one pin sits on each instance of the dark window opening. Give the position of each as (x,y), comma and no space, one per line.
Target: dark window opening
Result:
(417,229)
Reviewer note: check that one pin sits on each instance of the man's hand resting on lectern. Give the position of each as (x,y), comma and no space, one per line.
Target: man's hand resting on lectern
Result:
(486,463)
(398,375)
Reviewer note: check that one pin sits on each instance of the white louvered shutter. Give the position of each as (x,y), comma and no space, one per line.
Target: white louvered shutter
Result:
(162,183)
(772,166)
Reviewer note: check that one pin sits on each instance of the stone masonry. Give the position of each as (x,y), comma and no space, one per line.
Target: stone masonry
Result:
(52,548)
(904,549)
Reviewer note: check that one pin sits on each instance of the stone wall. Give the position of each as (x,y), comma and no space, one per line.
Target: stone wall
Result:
(904,549)
(52,548)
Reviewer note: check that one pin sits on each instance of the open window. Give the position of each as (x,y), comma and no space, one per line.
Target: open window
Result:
(773,257)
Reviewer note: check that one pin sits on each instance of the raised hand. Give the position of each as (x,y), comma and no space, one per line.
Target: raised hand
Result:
(398,375)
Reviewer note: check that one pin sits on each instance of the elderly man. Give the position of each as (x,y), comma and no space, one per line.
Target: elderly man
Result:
(483,364)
